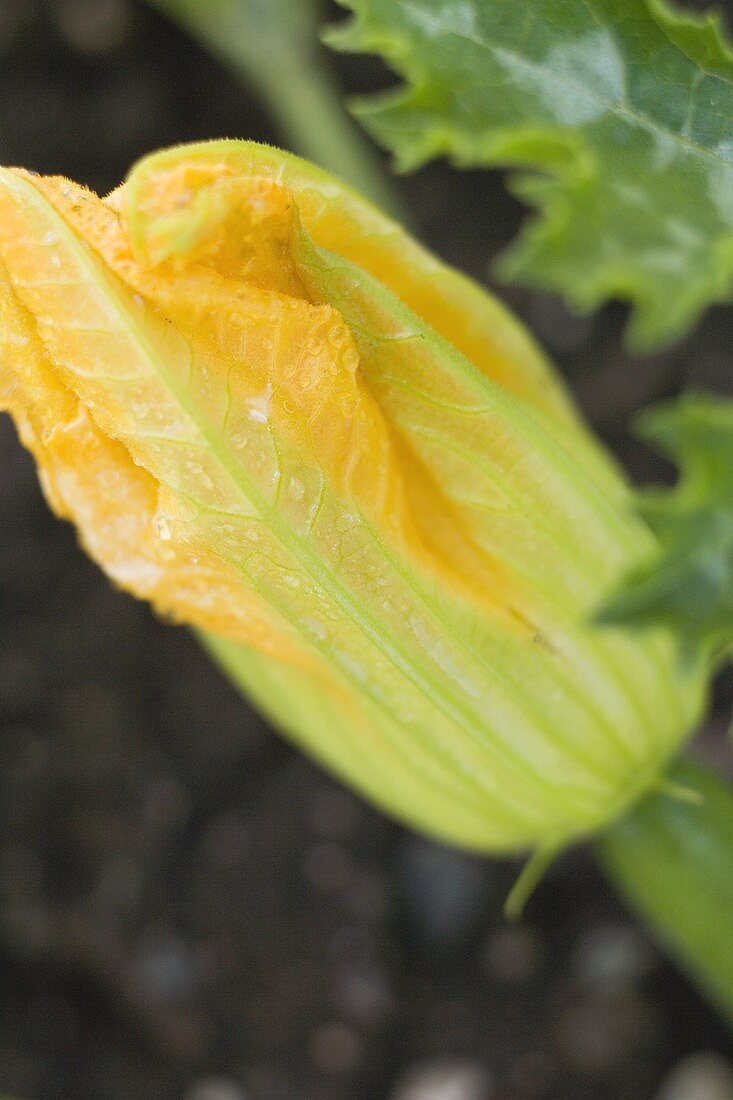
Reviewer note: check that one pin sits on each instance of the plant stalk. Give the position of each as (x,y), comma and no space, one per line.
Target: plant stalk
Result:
(274,48)
(671,858)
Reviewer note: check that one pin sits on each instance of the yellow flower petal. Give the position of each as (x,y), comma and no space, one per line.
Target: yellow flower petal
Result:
(226,374)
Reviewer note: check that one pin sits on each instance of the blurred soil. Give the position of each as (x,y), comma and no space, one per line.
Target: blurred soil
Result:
(189,909)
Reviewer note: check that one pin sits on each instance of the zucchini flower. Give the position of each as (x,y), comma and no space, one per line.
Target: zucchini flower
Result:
(276,417)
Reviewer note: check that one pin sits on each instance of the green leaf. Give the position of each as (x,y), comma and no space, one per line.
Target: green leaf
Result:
(688,583)
(673,860)
(622,109)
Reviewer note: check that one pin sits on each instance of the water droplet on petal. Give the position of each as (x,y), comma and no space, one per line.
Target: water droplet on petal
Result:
(350,360)
(162,528)
(296,489)
(259,405)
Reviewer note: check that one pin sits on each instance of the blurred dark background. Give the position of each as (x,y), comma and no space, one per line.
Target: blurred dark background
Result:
(189,909)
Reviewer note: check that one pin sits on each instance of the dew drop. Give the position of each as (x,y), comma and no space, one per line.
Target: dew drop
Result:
(291,581)
(200,476)
(296,489)
(56,261)
(316,628)
(259,405)
(350,360)
(162,528)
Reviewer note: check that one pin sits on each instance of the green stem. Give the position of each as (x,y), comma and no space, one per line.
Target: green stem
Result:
(274,48)
(308,109)
(672,859)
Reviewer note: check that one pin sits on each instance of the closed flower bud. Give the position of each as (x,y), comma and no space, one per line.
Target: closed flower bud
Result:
(273,415)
